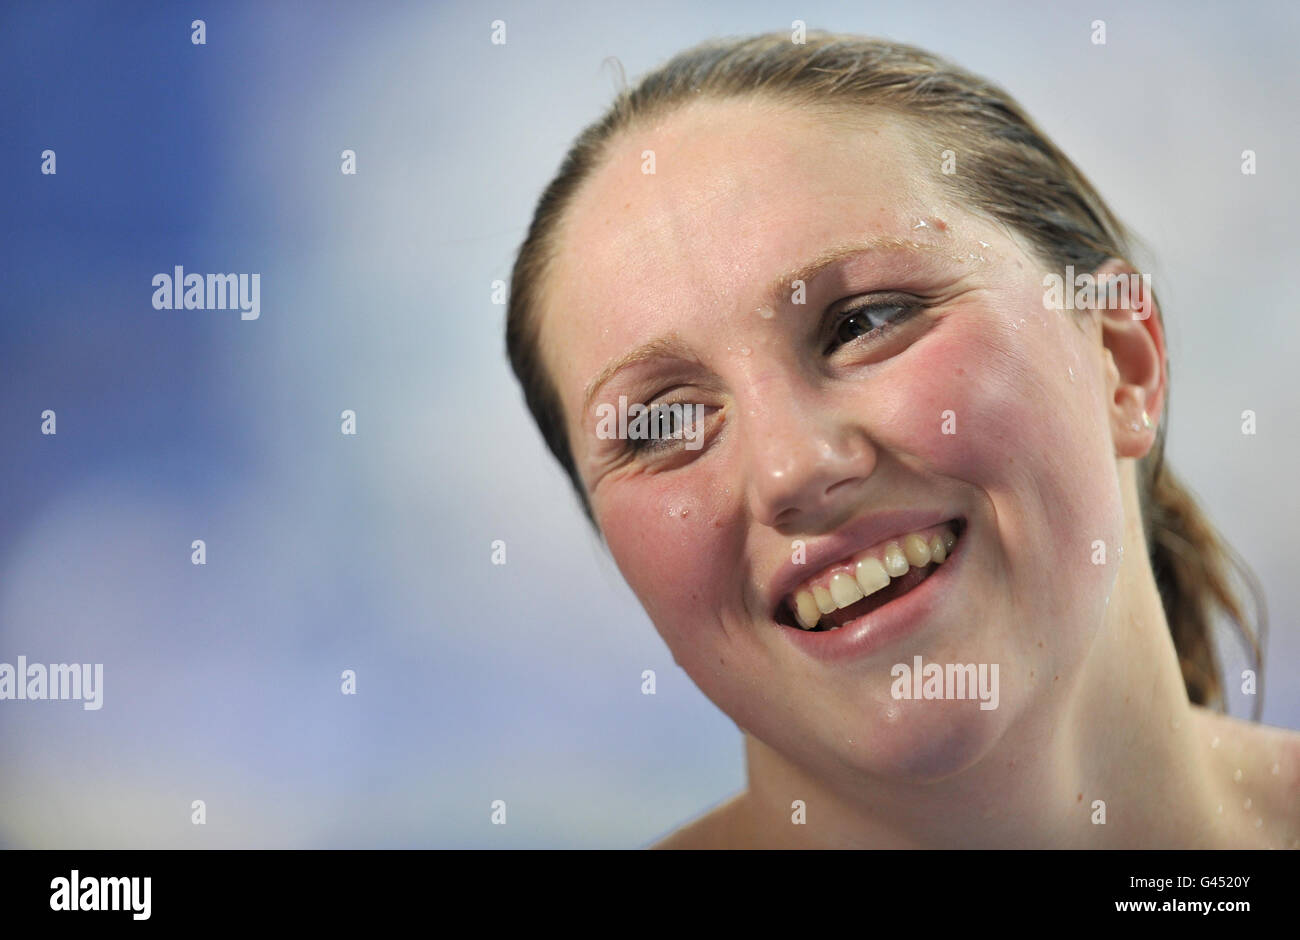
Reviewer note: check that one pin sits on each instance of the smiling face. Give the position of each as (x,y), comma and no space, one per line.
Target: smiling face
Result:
(827,436)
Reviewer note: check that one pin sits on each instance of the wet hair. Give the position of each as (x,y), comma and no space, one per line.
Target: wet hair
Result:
(1009,172)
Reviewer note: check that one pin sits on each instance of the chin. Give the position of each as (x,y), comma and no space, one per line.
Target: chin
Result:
(926,741)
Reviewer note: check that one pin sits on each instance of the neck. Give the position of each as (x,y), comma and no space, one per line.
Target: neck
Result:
(1121,739)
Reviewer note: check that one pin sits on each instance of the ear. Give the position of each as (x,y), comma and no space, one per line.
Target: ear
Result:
(1133,343)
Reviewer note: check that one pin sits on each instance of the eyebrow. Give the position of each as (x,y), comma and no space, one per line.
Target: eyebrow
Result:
(778,289)
(663,346)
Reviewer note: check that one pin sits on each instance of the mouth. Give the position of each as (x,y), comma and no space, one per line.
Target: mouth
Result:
(868,580)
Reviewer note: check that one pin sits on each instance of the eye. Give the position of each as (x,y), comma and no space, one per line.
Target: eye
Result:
(873,320)
(664,427)
(668,427)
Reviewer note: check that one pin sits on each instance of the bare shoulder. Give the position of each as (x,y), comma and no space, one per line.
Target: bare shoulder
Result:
(1262,758)
(718,828)
(1256,740)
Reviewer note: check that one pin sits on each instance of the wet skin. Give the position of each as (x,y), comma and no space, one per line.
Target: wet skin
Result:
(816,421)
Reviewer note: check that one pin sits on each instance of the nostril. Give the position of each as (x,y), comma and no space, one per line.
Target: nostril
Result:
(835,488)
(785,516)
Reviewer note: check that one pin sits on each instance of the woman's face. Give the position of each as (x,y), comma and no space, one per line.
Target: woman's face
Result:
(822,442)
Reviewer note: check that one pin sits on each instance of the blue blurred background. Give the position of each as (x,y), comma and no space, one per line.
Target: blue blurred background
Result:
(371,552)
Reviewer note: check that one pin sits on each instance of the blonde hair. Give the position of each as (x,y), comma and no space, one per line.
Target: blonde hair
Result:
(1010,171)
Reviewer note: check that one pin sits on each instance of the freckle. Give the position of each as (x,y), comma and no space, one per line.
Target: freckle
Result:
(1031,673)
(1080,798)
(1040,644)
(1246,805)
(1054,678)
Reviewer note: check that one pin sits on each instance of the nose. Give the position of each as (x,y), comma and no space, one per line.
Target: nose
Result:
(806,456)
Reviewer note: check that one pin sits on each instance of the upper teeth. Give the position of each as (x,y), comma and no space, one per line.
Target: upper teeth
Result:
(867,573)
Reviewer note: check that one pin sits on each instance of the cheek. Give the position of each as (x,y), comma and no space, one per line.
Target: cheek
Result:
(668,537)
(1003,402)
(1032,448)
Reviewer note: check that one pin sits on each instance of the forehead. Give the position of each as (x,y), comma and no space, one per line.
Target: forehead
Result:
(692,214)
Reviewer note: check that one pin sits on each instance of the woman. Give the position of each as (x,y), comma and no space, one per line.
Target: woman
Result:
(915,536)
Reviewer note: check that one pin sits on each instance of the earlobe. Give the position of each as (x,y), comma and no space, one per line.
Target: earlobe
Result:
(1132,335)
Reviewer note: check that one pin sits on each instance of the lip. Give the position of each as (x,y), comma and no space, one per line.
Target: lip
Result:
(848,541)
(873,631)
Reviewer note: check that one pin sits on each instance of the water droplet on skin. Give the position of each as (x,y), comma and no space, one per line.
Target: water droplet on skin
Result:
(1071,375)
(1236,775)
(1246,805)
(745,350)
(920,224)
(1175,723)
(1215,742)
(766,313)
(1258,822)
(1277,769)
(1220,809)
(985,245)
